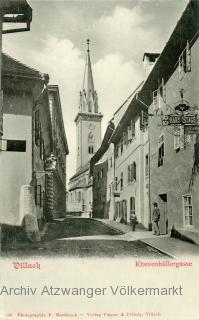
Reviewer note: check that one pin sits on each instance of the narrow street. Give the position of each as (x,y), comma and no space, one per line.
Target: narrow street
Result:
(81,237)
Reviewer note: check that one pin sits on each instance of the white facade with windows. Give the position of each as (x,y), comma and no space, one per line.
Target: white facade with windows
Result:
(131,169)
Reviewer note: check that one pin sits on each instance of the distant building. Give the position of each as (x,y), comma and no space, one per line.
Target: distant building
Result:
(172,86)
(88,132)
(102,171)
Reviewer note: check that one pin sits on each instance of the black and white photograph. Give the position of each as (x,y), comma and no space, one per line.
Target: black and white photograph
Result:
(99,158)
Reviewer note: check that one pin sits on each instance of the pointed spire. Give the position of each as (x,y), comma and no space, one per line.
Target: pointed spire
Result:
(88,85)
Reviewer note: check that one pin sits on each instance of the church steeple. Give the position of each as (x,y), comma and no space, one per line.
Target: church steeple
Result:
(88,119)
(88,96)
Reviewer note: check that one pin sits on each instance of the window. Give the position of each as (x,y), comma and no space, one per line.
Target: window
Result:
(116,183)
(132,172)
(37,128)
(116,150)
(16,145)
(38,195)
(146,165)
(132,204)
(178,138)
(90,149)
(143,120)
(121,181)
(42,148)
(131,131)
(91,138)
(111,162)
(184,62)
(121,145)
(79,196)
(125,137)
(159,97)
(43,199)
(161,151)
(188,210)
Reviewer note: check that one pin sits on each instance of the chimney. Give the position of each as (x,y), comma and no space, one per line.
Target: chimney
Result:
(149,60)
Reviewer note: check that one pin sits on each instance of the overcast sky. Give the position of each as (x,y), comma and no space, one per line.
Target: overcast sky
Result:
(120,32)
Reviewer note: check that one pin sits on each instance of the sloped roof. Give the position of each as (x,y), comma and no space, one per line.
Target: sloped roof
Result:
(15,7)
(83,169)
(186,30)
(14,67)
(55,89)
(104,146)
(79,185)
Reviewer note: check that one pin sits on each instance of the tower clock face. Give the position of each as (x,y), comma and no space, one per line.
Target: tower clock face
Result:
(91,126)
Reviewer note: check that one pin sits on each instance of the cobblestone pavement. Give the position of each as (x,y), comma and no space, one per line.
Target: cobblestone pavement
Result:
(82,237)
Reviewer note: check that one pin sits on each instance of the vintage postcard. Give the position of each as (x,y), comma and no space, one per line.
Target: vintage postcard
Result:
(99,159)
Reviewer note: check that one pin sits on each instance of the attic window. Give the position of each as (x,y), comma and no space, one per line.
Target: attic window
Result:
(159,97)
(184,62)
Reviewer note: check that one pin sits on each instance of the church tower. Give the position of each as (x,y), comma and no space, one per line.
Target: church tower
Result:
(88,119)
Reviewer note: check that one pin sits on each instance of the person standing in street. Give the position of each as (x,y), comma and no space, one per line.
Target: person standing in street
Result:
(133,220)
(156,218)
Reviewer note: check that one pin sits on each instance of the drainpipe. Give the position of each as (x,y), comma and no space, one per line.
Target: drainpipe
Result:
(150,222)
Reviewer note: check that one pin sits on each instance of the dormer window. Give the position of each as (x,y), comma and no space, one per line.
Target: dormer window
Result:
(159,97)
(131,131)
(184,62)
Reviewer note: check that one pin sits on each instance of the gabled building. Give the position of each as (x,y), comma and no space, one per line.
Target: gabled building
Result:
(88,133)
(22,151)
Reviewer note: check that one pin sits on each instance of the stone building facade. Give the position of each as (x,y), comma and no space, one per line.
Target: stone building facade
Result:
(56,183)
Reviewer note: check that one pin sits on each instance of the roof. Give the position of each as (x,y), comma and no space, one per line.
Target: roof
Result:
(79,185)
(151,56)
(55,88)
(16,7)
(104,146)
(186,30)
(134,91)
(83,169)
(12,66)
(134,108)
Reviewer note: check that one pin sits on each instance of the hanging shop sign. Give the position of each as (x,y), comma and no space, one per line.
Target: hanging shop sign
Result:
(176,119)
